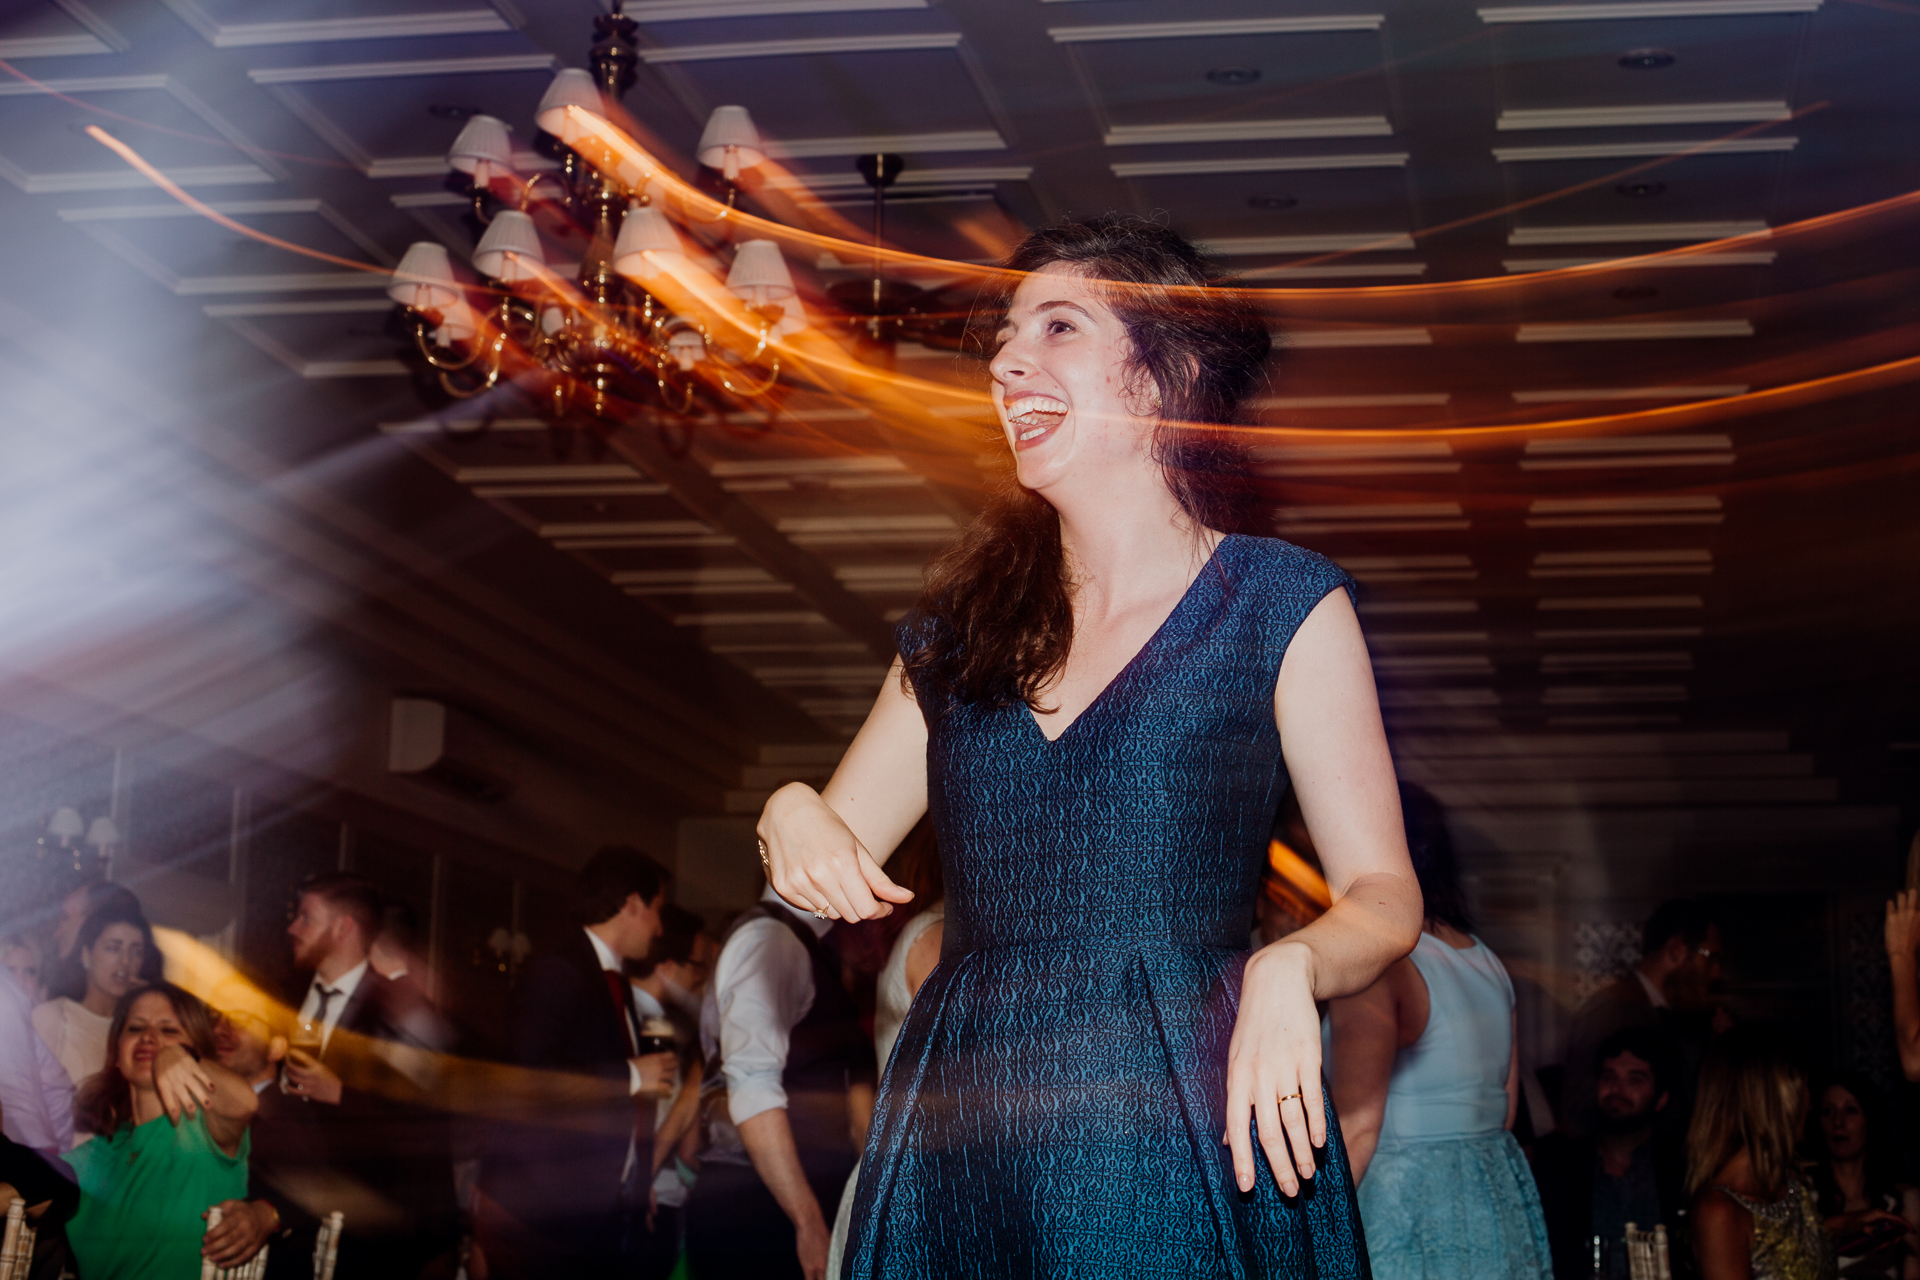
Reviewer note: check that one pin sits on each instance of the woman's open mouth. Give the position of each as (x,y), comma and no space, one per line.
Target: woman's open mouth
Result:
(1035,419)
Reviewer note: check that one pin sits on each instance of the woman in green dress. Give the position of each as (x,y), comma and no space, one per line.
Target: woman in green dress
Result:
(170,1141)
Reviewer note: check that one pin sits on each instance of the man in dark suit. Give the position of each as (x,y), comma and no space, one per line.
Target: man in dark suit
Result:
(564,1182)
(1670,990)
(1631,1170)
(379,1135)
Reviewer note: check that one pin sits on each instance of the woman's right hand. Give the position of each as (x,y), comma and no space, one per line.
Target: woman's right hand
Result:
(815,862)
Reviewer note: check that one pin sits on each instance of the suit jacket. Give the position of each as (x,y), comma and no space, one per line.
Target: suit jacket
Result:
(1564,1168)
(383,1151)
(557,1166)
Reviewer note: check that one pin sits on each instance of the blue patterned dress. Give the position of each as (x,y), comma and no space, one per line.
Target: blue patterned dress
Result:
(1055,1102)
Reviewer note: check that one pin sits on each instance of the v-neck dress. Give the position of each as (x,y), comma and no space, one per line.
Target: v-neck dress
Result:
(1055,1102)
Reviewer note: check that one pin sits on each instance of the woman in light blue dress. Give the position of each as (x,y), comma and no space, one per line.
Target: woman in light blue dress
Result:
(1425,1078)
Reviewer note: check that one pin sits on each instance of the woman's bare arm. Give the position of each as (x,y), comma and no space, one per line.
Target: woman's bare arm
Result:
(1722,1238)
(1336,750)
(1366,1034)
(825,848)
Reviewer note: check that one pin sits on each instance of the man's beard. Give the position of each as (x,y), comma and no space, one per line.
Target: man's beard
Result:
(1619,1126)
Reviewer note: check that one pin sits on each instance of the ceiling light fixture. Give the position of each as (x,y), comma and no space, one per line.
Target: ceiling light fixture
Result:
(1647,59)
(1273,203)
(590,348)
(1641,190)
(1233,77)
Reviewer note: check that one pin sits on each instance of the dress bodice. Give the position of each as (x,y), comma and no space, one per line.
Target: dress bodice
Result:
(1148,818)
(1452,1081)
(1054,1103)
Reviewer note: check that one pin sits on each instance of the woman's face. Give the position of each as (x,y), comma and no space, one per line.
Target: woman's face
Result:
(1842,1123)
(1060,384)
(152,1025)
(113,961)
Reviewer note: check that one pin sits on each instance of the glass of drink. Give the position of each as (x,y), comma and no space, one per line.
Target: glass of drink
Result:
(306,1038)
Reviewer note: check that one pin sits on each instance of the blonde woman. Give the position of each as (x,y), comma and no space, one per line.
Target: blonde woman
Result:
(1754,1217)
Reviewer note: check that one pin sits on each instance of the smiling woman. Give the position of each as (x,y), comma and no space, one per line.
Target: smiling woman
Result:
(1103,692)
(111,951)
(170,1141)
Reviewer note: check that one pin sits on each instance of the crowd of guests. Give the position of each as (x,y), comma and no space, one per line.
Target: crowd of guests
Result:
(671,1103)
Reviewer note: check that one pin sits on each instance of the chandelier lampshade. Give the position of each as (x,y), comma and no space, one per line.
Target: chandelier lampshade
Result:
(687,348)
(570,88)
(424,279)
(730,143)
(646,238)
(66,823)
(510,233)
(458,323)
(793,318)
(759,275)
(483,149)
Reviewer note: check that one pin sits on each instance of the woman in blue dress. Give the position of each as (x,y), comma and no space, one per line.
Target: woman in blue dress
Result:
(1100,698)
(1426,1068)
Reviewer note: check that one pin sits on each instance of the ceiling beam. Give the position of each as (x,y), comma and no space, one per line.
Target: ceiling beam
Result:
(690,485)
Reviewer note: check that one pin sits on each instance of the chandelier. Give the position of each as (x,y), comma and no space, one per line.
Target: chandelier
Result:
(605,342)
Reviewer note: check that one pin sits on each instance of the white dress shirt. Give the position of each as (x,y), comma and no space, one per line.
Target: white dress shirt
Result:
(610,962)
(762,986)
(346,984)
(1655,996)
(35,1094)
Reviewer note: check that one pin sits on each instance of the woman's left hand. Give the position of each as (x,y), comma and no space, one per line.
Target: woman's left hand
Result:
(182,1083)
(1273,1069)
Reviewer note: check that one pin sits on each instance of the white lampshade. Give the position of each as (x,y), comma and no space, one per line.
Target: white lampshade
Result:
(760,274)
(571,88)
(687,348)
(793,318)
(730,143)
(424,279)
(552,321)
(66,823)
(646,239)
(511,232)
(458,323)
(102,832)
(483,149)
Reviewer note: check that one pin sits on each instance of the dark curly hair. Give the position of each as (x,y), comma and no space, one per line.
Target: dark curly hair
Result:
(994,622)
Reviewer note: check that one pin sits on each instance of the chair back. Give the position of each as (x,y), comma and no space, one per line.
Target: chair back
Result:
(326,1245)
(254,1268)
(1647,1257)
(16,1247)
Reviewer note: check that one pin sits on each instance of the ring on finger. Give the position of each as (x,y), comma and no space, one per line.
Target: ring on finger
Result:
(1290,1097)
(766,863)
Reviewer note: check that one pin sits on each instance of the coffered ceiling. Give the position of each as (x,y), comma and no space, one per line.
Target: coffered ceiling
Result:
(1684,606)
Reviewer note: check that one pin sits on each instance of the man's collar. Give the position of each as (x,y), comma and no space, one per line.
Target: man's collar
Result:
(819,926)
(347,983)
(1655,996)
(609,958)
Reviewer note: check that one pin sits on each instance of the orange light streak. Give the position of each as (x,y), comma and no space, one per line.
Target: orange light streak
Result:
(167,185)
(907,396)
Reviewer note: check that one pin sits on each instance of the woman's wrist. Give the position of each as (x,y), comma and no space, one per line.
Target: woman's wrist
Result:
(1286,957)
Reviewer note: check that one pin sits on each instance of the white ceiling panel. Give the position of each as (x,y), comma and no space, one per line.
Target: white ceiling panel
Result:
(394,124)
(816,93)
(1729,59)
(1209,206)
(44,148)
(42,29)
(1230,80)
